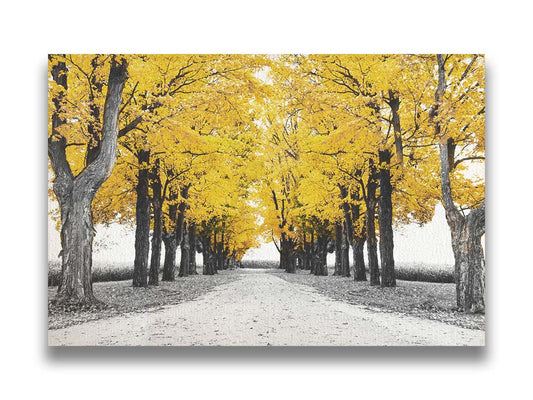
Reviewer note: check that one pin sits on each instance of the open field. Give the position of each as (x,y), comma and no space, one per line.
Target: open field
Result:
(404,271)
(111,272)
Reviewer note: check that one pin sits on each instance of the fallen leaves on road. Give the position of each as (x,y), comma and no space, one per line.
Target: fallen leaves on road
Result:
(434,301)
(120,297)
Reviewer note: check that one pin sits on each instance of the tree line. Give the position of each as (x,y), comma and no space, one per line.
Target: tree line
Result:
(214,153)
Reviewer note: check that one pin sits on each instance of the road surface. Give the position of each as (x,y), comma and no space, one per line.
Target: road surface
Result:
(260,310)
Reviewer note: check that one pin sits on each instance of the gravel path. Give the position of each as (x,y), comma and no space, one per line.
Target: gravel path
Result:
(259,310)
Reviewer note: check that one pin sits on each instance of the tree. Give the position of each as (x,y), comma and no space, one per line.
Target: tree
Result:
(75,193)
(449,113)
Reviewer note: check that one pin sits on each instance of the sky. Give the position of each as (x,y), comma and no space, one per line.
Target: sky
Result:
(429,244)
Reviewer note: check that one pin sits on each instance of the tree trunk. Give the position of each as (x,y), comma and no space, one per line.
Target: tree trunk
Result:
(220,251)
(307,257)
(370,217)
(287,256)
(386,238)
(471,263)
(282,252)
(205,260)
(77,239)
(321,267)
(338,249)
(169,264)
(185,255)
(359,258)
(291,266)
(192,245)
(209,265)
(157,204)
(312,253)
(213,254)
(75,194)
(171,243)
(142,218)
(345,253)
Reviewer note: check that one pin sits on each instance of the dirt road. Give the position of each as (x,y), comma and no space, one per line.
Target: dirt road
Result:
(259,310)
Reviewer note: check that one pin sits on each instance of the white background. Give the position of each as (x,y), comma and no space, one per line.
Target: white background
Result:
(30,31)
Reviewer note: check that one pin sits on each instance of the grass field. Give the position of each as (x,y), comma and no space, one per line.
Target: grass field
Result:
(102,272)
(404,271)
(110,272)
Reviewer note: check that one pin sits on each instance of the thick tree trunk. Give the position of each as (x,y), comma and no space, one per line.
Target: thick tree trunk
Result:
(345,253)
(185,255)
(282,255)
(169,263)
(466,233)
(157,204)
(75,194)
(77,238)
(214,253)
(358,241)
(192,245)
(292,262)
(370,217)
(386,238)
(171,243)
(291,257)
(142,218)
(321,267)
(287,256)
(338,249)
(212,256)
(359,258)
(312,253)
(470,263)
(206,267)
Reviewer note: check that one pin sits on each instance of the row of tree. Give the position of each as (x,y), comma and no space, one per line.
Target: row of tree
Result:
(182,131)
(320,149)
(356,144)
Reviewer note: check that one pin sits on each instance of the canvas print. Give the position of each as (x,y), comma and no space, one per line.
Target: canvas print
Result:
(266,200)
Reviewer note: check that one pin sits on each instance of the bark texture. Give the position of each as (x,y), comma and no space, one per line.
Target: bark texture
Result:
(320,267)
(338,249)
(170,240)
(142,220)
(370,217)
(185,255)
(386,236)
(192,250)
(359,258)
(345,252)
(157,238)
(169,264)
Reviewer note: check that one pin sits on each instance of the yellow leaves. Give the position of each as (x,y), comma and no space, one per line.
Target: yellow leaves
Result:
(274,135)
